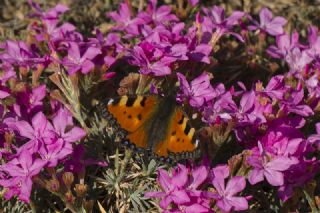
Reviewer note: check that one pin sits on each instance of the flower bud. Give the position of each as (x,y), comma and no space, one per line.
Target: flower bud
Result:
(81,189)
(8,136)
(69,196)
(68,179)
(53,185)
(234,164)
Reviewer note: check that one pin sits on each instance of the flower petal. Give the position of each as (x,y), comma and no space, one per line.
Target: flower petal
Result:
(154,194)
(165,202)
(75,134)
(235,185)
(275,178)
(239,203)
(180,197)
(164,180)
(256,176)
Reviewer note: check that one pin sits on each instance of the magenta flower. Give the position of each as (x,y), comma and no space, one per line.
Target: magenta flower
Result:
(75,62)
(285,44)
(50,29)
(65,32)
(197,51)
(315,138)
(294,103)
(76,163)
(198,92)
(273,26)
(110,47)
(157,15)
(124,20)
(52,13)
(283,140)
(57,150)
(215,19)
(4,92)
(112,39)
(64,128)
(41,131)
(8,72)
(30,102)
(221,108)
(18,53)
(150,60)
(313,86)
(225,196)
(173,187)
(183,189)
(314,42)
(193,3)
(20,171)
(249,110)
(61,146)
(297,60)
(275,88)
(297,176)
(271,168)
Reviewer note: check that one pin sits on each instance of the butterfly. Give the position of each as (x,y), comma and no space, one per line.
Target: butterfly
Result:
(155,124)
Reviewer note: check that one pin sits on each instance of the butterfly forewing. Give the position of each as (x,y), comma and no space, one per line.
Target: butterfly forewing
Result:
(132,112)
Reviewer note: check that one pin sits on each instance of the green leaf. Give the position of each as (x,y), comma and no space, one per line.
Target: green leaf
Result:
(308,190)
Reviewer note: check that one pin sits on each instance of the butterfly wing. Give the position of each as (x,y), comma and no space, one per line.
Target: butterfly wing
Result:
(180,141)
(134,113)
(131,113)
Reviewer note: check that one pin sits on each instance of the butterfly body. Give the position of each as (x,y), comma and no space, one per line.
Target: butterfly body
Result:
(154,123)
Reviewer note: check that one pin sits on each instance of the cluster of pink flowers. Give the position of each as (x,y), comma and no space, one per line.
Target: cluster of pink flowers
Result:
(268,119)
(184,189)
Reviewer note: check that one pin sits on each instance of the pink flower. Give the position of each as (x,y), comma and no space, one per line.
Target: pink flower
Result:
(285,43)
(124,20)
(270,167)
(273,26)
(183,190)
(173,187)
(40,131)
(151,59)
(54,152)
(157,15)
(18,53)
(30,102)
(52,13)
(77,162)
(225,195)
(20,171)
(53,143)
(61,146)
(75,61)
(62,122)
(248,112)
(294,103)
(215,19)
(315,138)
(198,92)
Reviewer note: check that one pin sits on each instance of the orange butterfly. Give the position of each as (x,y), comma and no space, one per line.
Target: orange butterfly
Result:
(154,123)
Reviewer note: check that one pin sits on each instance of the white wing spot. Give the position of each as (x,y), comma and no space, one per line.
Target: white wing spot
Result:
(197,142)
(110,101)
